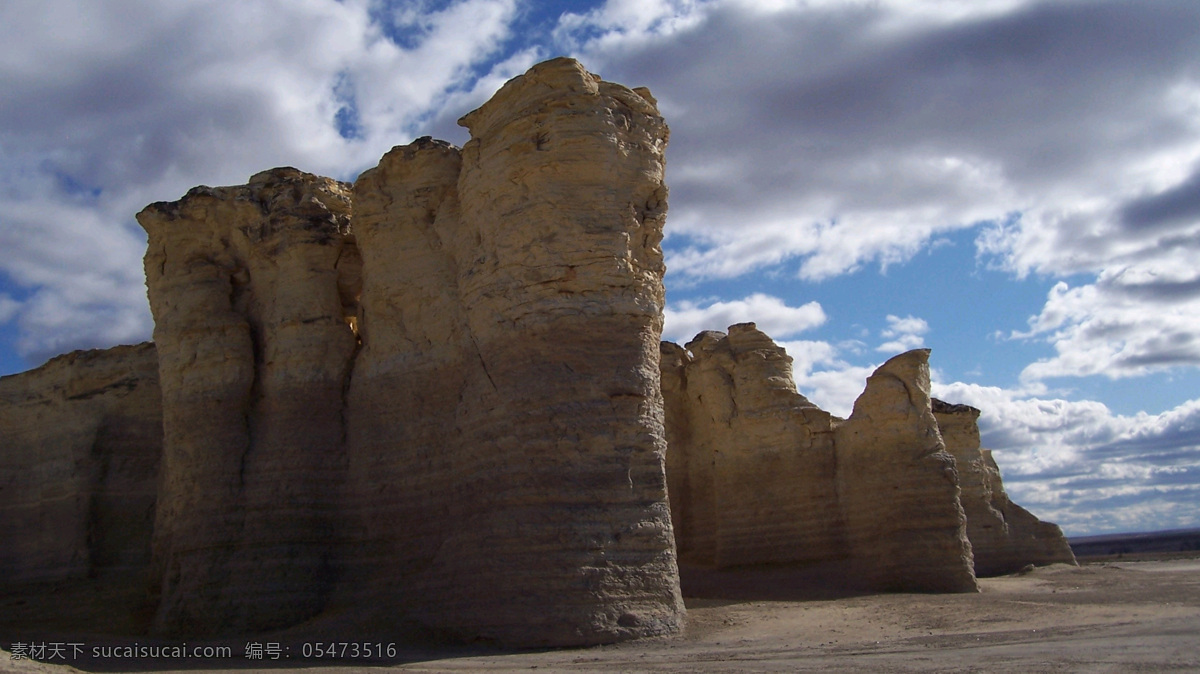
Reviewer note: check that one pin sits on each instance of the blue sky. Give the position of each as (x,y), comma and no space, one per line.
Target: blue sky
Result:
(1013,184)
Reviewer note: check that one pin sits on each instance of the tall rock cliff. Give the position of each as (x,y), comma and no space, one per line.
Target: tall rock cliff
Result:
(404,395)
(456,408)
(254,350)
(80,439)
(1004,536)
(898,487)
(506,431)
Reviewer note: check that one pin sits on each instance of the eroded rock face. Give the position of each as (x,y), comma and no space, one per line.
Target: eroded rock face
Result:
(254,351)
(898,487)
(486,454)
(80,439)
(751,462)
(1004,536)
(760,475)
(897,497)
(508,390)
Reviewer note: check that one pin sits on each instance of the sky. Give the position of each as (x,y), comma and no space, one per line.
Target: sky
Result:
(1013,184)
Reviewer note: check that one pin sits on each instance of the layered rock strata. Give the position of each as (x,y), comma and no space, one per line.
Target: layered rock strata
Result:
(487,454)
(760,475)
(898,488)
(897,497)
(505,412)
(254,352)
(80,440)
(1004,536)
(751,462)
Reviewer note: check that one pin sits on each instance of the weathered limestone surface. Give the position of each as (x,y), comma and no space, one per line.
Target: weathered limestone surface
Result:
(899,495)
(898,487)
(254,351)
(506,406)
(760,475)
(456,410)
(1004,536)
(751,461)
(80,439)
(404,395)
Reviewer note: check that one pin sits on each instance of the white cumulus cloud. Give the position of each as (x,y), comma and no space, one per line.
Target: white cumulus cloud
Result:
(1090,470)
(1131,321)
(109,106)
(906,334)
(684,319)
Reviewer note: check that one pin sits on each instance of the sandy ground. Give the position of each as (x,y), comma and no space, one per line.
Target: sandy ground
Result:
(1119,616)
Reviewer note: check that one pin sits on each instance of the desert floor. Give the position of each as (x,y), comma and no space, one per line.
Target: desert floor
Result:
(1112,616)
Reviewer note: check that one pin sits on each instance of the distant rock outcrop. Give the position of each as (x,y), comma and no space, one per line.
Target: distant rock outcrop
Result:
(1005,537)
(760,475)
(899,495)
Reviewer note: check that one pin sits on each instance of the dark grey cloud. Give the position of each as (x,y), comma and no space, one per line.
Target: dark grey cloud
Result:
(818,113)
(1173,206)
(110,106)
(1158,291)
(1179,349)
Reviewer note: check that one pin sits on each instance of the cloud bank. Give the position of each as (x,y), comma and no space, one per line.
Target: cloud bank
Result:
(816,138)
(110,106)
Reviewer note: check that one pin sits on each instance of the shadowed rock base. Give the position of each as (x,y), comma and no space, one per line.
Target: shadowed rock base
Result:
(79,458)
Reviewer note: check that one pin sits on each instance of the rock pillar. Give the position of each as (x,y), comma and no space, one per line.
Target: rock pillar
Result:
(517,444)
(751,460)
(254,349)
(898,486)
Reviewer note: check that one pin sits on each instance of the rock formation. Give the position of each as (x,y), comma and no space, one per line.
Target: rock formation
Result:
(898,488)
(439,394)
(760,475)
(751,463)
(505,417)
(899,495)
(254,351)
(486,454)
(80,440)
(1004,536)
